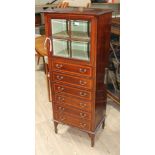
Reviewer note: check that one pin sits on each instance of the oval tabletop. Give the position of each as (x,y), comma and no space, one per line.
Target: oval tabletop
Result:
(39,45)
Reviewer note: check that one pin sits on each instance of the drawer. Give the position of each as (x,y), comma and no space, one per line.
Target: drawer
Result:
(63,118)
(80,104)
(65,109)
(72,91)
(82,82)
(74,69)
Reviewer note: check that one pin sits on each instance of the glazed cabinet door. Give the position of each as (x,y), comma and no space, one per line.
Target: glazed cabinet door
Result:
(71,38)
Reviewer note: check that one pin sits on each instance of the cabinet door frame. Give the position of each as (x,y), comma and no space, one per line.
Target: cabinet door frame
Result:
(93,35)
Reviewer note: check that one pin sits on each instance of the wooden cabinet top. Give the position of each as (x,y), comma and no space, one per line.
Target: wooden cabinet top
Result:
(78,11)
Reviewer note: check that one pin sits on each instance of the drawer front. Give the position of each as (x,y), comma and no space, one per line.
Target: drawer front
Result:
(82,82)
(65,109)
(80,104)
(63,118)
(76,92)
(74,69)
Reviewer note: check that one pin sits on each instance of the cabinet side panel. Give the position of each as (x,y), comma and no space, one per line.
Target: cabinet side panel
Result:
(103,44)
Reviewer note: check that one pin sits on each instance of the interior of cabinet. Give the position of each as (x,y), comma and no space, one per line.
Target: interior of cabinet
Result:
(71,38)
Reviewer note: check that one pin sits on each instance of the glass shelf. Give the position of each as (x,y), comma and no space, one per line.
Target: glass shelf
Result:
(59,28)
(80,50)
(80,35)
(71,38)
(60,48)
(62,34)
(80,29)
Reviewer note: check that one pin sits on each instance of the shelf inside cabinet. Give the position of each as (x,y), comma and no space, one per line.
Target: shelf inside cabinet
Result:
(80,29)
(80,50)
(62,34)
(75,36)
(63,53)
(60,47)
(80,36)
(71,38)
(81,55)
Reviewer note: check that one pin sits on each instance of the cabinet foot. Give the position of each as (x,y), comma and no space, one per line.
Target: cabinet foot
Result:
(103,124)
(55,127)
(92,137)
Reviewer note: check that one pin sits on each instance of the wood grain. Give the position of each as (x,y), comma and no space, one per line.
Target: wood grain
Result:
(48,143)
(100,21)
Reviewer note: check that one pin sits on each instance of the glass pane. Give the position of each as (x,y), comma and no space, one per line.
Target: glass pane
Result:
(59,27)
(80,50)
(60,48)
(80,29)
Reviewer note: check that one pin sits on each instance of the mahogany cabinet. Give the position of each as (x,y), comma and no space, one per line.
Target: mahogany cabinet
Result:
(78,47)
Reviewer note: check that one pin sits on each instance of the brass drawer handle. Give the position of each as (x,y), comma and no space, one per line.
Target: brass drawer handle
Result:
(61,98)
(83,94)
(82,115)
(82,70)
(61,108)
(83,105)
(59,77)
(60,88)
(82,82)
(83,125)
(62,118)
(59,66)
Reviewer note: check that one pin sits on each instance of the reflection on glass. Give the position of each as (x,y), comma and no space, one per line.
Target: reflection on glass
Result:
(80,50)
(71,38)
(80,29)
(59,27)
(60,48)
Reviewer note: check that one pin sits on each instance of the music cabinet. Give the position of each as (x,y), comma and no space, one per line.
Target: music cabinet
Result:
(78,47)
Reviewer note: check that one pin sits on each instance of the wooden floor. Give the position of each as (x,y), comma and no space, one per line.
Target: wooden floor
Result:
(71,141)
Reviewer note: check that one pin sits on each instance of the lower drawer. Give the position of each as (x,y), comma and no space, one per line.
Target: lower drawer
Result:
(63,118)
(64,109)
(73,102)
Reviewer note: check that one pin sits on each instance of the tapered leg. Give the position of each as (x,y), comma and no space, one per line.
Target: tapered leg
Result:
(38,59)
(55,127)
(103,124)
(48,82)
(44,65)
(48,88)
(92,137)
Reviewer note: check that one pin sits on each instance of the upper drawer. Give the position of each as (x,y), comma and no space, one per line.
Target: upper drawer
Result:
(82,82)
(72,68)
(72,91)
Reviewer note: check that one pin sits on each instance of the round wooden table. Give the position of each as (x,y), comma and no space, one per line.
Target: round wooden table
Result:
(42,52)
